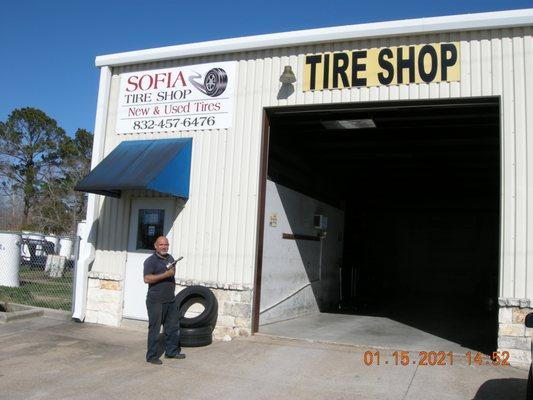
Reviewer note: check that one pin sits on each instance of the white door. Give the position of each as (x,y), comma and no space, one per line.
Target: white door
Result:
(150,218)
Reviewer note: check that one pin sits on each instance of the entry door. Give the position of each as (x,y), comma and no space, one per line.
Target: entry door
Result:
(149,219)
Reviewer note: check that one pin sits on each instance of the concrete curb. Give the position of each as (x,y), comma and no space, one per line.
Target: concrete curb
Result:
(20,312)
(61,315)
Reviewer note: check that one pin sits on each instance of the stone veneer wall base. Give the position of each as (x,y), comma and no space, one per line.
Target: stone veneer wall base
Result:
(104,299)
(513,336)
(105,304)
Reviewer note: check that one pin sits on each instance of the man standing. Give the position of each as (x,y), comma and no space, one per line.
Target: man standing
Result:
(160,303)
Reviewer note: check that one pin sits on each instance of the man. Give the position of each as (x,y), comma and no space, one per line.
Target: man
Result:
(160,303)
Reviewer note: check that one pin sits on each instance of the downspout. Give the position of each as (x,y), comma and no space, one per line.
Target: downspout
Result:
(89,233)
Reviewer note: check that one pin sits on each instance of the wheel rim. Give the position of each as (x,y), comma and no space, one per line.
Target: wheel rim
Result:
(210,82)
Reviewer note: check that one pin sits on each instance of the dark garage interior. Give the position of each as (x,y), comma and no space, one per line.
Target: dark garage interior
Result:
(419,183)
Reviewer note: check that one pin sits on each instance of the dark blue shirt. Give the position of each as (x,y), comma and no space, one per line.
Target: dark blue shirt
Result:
(162,291)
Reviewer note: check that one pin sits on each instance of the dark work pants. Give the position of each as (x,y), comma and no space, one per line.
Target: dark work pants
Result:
(165,314)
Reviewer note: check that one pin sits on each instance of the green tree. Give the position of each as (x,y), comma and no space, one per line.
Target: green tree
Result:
(52,214)
(60,206)
(30,143)
(76,164)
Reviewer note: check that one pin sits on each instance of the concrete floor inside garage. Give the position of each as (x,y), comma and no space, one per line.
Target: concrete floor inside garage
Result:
(420,196)
(370,332)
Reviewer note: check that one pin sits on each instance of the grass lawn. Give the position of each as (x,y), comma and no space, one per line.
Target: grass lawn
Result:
(38,289)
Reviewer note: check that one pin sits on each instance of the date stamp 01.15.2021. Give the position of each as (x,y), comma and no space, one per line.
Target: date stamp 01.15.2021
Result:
(434,358)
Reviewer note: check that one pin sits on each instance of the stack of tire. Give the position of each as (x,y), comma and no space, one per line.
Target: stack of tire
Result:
(198,330)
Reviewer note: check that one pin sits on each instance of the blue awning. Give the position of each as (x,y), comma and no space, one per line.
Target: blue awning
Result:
(162,165)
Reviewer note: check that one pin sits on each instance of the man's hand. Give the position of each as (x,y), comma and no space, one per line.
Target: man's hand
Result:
(151,278)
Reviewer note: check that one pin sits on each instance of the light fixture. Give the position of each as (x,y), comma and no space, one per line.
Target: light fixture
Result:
(288,76)
(349,124)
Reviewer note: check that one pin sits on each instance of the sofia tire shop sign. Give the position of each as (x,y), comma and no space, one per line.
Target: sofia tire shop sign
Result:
(188,98)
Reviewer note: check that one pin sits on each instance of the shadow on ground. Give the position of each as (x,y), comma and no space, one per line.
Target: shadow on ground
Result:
(498,389)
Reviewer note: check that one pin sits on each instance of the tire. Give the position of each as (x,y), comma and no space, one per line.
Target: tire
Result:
(210,318)
(215,82)
(196,337)
(197,294)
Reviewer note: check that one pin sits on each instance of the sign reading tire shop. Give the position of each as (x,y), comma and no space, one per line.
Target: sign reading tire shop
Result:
(423,63)
(195,97)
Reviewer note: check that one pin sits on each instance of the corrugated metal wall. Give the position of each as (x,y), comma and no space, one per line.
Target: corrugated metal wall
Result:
(216,230)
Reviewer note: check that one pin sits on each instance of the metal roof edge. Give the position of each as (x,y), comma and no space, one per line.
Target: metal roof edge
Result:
(450,23)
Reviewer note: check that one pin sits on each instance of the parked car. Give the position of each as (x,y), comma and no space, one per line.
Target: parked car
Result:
(39,250)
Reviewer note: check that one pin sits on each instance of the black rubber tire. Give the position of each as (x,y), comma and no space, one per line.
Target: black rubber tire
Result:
(215,82)
(196,337)
(210,318)
(197,294)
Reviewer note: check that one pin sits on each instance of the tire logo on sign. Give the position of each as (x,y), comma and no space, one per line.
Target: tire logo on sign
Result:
(214,84)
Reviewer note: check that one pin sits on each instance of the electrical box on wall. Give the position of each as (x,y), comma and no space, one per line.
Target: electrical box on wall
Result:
(320,222)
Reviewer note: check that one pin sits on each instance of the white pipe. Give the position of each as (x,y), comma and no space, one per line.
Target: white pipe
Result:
(285,298)
(88,240)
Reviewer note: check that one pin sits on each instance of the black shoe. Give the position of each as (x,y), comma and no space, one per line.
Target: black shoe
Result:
(178,356)
(155,361)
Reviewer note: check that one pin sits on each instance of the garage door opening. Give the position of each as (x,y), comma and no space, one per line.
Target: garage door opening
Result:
(381,223)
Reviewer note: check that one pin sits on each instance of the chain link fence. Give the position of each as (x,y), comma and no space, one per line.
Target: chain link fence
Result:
(37,269)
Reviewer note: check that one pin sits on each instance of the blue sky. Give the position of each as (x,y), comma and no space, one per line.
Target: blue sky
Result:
(48,47)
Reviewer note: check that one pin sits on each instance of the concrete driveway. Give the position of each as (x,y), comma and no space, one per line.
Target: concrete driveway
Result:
(46,358)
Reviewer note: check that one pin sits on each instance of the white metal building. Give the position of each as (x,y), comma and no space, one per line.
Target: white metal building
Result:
(456,90)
